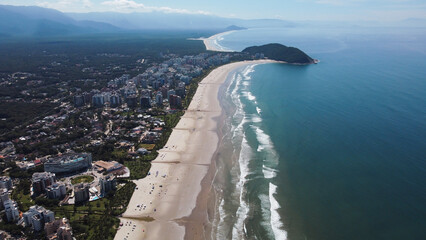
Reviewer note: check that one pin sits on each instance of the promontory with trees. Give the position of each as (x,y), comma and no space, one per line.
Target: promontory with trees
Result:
(279,52)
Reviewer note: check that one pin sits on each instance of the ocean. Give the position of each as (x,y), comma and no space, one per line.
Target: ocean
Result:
(335,150)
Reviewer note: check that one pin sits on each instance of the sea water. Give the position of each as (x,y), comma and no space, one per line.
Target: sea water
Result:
(335,150)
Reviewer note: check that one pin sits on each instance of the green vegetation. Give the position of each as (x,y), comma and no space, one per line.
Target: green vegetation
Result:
(280,52)
(170,120)
(138,168)
(80,49)
(46,202)
(82,179)
(18,113)
(21,193)
(97,220)
(121,198)
(90,221)
(54,67)
(16,172)
(192,87)
(11,228)
(107,58)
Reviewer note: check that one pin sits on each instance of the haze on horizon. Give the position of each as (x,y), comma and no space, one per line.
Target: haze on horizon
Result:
(295,10)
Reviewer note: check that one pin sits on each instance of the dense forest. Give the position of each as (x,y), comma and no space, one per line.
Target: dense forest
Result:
(280,52)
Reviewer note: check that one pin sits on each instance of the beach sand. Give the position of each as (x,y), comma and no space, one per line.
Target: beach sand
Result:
(211,42)
(172,201)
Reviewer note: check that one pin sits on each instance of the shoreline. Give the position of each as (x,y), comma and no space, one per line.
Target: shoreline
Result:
(210,42)
(172,202)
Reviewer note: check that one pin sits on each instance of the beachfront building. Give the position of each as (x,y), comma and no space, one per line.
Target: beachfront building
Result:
(175,101)
(107,184)
(42,180)
(68,163)
(102,166)
(81,193)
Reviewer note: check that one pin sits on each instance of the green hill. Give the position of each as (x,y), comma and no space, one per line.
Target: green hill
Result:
(280,52)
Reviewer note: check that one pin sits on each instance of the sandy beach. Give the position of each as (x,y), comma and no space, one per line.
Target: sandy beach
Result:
(211,42)
(171,202)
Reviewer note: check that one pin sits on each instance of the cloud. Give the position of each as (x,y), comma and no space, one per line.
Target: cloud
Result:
(66,4)
(132,6)
(343,2)
(359,2)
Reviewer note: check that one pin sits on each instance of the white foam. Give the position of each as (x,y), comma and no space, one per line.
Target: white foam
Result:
(238,230)
(251,97)
(270,161)
(268,172)
(266,215)
(256,119)
(276,223)
(220,37)
(234,76)
(262,137)
(216,41)
(258,110)
(239,171)
(220,233)
(248,70)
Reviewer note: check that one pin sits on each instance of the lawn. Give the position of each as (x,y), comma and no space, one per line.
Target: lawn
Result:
(82,179)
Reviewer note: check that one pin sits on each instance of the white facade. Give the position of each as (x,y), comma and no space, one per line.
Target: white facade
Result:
(11,210)
(36,216)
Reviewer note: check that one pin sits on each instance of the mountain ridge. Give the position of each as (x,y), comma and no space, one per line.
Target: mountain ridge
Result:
(38,22)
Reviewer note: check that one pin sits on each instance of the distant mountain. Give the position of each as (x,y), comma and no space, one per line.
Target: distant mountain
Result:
(280,52)
(37,21)
(233,28)
(160,20)
(43,22)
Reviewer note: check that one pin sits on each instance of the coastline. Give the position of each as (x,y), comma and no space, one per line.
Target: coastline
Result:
(172,202)
(211,42)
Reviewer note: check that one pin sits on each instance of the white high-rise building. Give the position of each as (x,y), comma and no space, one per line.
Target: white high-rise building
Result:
(37,216)
(11,210)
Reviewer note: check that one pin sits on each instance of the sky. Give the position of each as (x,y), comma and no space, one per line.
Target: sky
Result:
(324,10)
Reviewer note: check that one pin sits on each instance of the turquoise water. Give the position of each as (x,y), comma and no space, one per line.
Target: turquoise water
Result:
(335,150)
